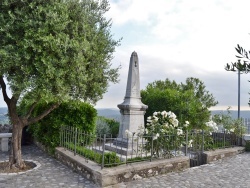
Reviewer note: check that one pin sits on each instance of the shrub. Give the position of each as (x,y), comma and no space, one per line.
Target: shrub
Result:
(73,113)
(107,126)
(163,133)
(102,126)
(110,158)
(247,146)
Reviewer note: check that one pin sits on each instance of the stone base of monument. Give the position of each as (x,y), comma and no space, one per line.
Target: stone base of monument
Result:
(124,148)
(123,153)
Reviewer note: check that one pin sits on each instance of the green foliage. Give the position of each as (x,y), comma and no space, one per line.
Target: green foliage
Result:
(243,61)
(73,113)
(57,49)
(107,126)
(163,134)
(197,140)
(102,126)
(228,124)
(247,146)
(110,158)
(114,127)
(189,101)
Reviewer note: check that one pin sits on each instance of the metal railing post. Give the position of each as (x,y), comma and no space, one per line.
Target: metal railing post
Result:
(186,147)
(202,145)
(152,136)
(75,141)
(103,150)
(224,139)
(61,136)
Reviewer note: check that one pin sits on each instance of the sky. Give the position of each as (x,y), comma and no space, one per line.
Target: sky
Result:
(177,39)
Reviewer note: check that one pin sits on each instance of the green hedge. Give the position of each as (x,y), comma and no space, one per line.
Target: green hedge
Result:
(72,113)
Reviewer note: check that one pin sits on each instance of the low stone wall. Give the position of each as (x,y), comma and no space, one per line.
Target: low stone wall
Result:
(222,153)
(124,173)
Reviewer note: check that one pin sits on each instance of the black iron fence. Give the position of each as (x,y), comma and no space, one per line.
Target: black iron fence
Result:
(246,122)
(108,151)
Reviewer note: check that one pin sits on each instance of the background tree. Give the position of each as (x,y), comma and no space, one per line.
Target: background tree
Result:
(243,61)
(242,65)
(190,101)
(53,50)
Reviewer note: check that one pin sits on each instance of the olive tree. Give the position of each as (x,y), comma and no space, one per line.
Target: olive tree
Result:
(54,50)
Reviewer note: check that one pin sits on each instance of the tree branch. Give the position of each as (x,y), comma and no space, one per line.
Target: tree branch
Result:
(3,86)
(42,115)
(30,110)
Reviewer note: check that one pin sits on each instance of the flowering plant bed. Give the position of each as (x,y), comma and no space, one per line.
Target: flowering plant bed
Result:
(163,134)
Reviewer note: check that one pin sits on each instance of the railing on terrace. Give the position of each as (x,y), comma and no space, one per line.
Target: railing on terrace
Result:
(246,122)
(103,148)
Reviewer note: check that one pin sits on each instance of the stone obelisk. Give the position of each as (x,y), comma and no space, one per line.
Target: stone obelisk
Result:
(132,109)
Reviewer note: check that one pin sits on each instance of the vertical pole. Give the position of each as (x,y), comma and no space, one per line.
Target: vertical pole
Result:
(224,139)
(238,94)
(103,150)
(61,136)
(186,148)
(152,136)
(75,141)
(202,145)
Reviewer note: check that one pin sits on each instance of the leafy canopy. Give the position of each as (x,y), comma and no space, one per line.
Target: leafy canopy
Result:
(56,49)
(243,61)
(189,101)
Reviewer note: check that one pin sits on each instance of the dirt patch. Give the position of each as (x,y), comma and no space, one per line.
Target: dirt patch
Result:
(4,167)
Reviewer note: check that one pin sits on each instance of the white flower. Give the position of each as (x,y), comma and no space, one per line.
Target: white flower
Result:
(156,136)
(231,130)
(190,143)
(156,118)
(146,131)
(179,132)
(166,125)
(186,124)
(212,125)
(175,122)
(164,113)
(149,121)
(155,113)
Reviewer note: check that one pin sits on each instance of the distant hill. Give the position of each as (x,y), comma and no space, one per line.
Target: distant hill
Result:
(234,113)
(115,113)
(3,118)
(109,113)
(3,110)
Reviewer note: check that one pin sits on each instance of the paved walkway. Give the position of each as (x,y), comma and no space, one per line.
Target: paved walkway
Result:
(51,173)
(233,172)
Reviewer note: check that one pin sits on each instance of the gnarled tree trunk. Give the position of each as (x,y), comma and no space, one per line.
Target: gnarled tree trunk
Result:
(15,158)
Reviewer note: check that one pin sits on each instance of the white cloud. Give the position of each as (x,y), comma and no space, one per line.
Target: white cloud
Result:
(179,39)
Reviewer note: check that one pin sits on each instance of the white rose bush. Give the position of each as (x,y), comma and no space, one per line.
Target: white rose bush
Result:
(163,133)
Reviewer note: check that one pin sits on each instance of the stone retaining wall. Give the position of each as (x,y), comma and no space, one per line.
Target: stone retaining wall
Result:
(222,153)
(124,173)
